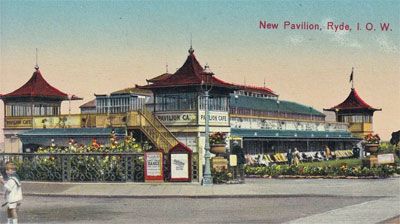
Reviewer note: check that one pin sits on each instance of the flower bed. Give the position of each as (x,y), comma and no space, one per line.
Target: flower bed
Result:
(95,162)
(321,172)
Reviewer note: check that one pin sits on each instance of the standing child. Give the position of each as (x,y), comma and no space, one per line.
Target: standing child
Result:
(13,194)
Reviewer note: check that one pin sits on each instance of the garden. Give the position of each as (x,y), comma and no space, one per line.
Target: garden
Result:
(119,161)
(344,165)
(336,168)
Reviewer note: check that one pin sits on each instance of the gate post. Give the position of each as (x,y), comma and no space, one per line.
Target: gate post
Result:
(66,168)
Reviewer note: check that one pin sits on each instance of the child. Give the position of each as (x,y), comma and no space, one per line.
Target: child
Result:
(13,194)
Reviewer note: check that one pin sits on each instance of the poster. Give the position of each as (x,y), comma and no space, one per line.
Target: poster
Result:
(153,166)
(179,166)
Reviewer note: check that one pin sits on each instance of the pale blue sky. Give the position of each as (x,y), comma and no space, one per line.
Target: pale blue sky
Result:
(74,25)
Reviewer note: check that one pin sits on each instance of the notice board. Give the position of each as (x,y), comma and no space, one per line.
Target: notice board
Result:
(153,166)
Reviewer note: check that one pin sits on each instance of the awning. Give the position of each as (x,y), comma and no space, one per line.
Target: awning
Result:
(42,136)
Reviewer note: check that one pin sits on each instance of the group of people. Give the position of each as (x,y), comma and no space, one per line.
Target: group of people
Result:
(293,158)
(13,192)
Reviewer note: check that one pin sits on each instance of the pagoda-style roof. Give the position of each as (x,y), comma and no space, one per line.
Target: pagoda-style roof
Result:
(190,74)
(37,86)
(353,102)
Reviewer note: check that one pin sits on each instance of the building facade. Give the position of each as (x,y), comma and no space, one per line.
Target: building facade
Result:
(171,109)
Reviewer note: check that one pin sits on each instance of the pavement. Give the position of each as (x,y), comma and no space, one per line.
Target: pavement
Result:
(385,193)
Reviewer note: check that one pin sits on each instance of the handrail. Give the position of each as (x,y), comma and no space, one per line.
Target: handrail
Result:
(168,140)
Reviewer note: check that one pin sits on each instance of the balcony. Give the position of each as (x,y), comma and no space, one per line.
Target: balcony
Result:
(128,119)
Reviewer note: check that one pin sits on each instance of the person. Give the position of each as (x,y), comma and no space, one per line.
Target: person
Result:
(327,153)
(238,151)
(13,194)
(356,152)
(296,157)
(289,156)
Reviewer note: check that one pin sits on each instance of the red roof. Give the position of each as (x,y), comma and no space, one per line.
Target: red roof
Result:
(38,86)
(160,77)
(189,74)
(353,101)
(257,89)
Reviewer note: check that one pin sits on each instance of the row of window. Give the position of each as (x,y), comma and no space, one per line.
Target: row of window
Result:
(188,101)
(262,113)
(260,95)
(216,103)
(355,119)
(185,101)
(119,104)
(24,110)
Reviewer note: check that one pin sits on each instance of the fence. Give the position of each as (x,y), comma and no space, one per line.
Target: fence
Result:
(85,167)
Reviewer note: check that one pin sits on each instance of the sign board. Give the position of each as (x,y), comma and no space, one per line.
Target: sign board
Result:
(177,118)
(72,121)
(18,122)
(180,163)
(385,158)
(216,118)
(180,166)
(232,160)
(153,166)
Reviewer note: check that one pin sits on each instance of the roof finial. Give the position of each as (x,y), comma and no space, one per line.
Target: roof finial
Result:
(264,82)
(37,66)
(191,50)
(166,67)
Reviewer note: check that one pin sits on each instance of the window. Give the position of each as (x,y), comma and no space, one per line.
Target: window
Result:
(216,103)
(177,102)
(119,103)
(23,110)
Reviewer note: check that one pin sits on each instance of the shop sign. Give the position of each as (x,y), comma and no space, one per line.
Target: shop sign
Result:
(177,118)
(216,118)
(18,123)
(153,166)
(180,166)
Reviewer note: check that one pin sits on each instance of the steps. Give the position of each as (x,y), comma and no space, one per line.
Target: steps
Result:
(157,133)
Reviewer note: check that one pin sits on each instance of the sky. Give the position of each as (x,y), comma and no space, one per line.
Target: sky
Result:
(97,47)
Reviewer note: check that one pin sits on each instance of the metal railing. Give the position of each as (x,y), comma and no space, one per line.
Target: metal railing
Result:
(85,167)
(156,131)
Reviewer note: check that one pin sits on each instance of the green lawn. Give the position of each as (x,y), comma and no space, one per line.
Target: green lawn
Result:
(334,163)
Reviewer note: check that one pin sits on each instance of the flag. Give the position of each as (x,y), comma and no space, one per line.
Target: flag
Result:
(351,76)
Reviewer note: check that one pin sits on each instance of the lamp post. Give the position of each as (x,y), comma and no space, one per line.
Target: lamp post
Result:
(206,86)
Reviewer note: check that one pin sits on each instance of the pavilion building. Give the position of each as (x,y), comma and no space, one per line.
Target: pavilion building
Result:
(357,113)
(179,102)
(22,107)
(171,109)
